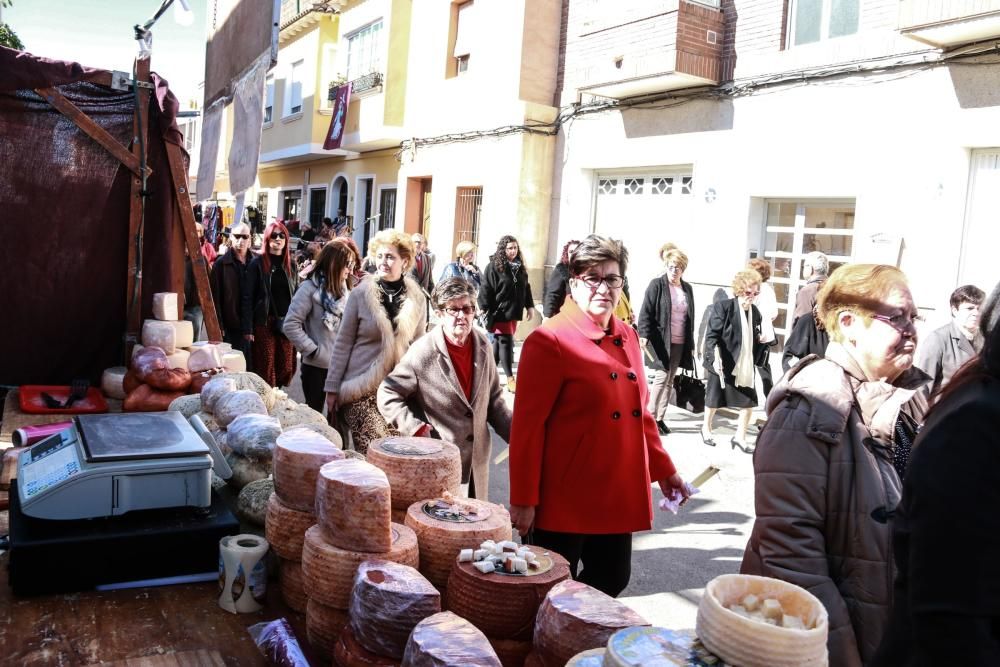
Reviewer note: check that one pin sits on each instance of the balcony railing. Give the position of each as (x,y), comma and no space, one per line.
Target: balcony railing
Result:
(360,85)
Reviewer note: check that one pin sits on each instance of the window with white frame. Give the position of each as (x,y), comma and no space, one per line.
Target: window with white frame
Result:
(815,20)
(190,131)
(269,99)
(364,51)
(295,88)
(463,36)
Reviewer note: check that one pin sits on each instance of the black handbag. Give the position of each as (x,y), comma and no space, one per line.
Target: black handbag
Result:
(689,392)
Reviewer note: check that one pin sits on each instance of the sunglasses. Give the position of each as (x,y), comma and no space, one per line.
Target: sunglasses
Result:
(241,237)
(277,235)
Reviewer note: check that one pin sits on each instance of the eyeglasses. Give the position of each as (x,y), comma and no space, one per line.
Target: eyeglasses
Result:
(464,311)
(277,235)
(612,280)
(902,322)
(241,237)
(751,295)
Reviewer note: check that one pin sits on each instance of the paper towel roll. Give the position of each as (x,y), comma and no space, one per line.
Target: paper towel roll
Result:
(242,573)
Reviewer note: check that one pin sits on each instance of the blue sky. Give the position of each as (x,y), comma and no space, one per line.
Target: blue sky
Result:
(98,33)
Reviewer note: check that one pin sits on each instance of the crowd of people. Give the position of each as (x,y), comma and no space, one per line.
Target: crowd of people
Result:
(872,471)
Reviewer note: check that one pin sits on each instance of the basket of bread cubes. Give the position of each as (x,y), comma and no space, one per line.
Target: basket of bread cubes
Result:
(762,622)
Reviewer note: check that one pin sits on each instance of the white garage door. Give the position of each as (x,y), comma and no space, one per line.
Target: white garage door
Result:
(642,209)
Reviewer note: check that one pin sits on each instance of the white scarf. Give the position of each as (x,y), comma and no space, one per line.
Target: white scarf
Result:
(744,363)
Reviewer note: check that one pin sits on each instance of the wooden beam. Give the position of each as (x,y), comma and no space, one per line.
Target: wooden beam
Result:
(90,128)
(133,293)
(178,173)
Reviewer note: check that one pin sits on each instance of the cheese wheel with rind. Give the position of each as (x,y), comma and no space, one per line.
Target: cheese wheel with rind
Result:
(168,336)
(234,361)
(353,505)
(253,436)
(324,626)
(590,658)
(511,652)
(285,528)
(642,646)
(575,617)
(349,653)
(441,541)
(299,453)
(204,358)
(473,594)
(417,468)
(293,589)
(236,404)
(165,306)
(387,602)
(447,640)
(113,382)
(329,570)
(179,359)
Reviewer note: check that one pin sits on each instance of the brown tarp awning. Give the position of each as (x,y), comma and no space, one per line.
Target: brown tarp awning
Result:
(64,214)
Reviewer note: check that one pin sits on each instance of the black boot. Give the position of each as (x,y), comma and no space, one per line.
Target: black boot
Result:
(661,426)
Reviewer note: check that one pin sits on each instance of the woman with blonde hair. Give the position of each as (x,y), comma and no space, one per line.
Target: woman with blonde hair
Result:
(384,314)
(829,459)
(464,264)
(314,317)
(767,304)
(732,343)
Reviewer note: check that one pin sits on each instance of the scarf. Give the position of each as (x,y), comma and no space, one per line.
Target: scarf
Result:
(332,314)
(744,363)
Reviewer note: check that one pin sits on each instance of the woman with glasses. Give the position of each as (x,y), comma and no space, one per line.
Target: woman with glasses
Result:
(504,295)
(584,449)
(666,330)
(447,386)
(267,294)
(315,313)
(732,344)
(229,273)
(384,314)
(830,458)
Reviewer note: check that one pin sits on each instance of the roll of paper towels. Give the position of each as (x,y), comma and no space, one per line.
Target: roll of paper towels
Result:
(242,573)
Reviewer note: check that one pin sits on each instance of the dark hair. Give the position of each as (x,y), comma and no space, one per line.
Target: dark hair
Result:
(984,366)
(450,289)
(286,255)
(595,250)
(967,294)
(564,257)
(500,258)
(336,256)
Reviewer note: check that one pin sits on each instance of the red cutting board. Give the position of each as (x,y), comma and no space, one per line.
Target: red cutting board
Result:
(30,396)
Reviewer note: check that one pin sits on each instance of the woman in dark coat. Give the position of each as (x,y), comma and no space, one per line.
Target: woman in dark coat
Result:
(267,294)
(946,534)
(666,328)
(555,288)
(732,348)
(503,297)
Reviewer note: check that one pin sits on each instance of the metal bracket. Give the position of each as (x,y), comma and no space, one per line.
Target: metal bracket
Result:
(123,81)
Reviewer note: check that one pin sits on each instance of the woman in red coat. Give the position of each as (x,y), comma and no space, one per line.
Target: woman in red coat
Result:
(583,446)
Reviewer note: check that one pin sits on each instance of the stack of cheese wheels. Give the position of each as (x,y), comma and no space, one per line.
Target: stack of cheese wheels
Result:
(298,455)
(387,602)
(445,528)
(575,617)
(324,626)
(349,653)
(447,639)
(751,643)
(512,652)
(473,595)
(417,468)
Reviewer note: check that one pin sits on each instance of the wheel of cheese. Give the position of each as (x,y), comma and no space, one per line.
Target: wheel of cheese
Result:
(512,652)
(203,358)
(285,528)
(743,641)
(595,657)
(234,361)
(638,647)
(329,570)
(299,453)
(293,589)
(387,602)
(473,595)
(442,539)
(445,639)
(575,617)
(113,382)
(179,359)
(165,306)
(236,404)
(349,653)
(417,468)
(166,335)
(324,626)
(398,516)
(353,505)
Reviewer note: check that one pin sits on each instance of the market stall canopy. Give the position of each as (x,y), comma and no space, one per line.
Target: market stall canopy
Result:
(65,202)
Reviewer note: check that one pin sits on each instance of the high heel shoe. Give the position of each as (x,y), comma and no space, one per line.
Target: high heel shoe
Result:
(746,449)
(707,439)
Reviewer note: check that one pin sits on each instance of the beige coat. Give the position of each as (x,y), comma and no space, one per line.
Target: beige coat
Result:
(367,348)
(825,490)
(423,388)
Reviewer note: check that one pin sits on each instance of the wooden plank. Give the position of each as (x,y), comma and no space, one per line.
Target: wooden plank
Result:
(202,658)
(133,286)
(178,172)
(90,128)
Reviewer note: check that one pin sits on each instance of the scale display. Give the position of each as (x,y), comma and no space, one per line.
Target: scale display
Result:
(53,461)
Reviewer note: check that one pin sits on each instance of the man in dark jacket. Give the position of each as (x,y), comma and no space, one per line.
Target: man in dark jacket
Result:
(816,266)
(555,288)
(228,274)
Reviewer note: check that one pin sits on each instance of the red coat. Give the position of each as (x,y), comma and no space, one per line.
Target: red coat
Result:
(583,448)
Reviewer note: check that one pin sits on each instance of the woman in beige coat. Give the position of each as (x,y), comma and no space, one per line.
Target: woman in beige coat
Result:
(829,461)
(447,386)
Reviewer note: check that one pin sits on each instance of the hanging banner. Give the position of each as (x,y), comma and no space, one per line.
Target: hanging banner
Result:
(336,132)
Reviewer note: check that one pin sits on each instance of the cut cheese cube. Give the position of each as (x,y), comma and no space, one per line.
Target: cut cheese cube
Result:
(387,602)
(178,359)
(204,358)
(465,556)
(165,306)
(772,609)
(485,566)
(792,622)
(751,602)
(167,335)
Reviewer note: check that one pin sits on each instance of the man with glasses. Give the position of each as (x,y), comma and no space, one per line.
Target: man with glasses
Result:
(948,348)
(446,386)
(228,275)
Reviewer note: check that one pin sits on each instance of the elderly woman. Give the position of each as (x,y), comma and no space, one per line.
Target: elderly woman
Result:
(384,314)
(945,534)
(314,317)
(666,328)
(267,293)
(446,386)
(829,460)
(503,298)
(732,344)
(464,265)
(767,303)
(584,449)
